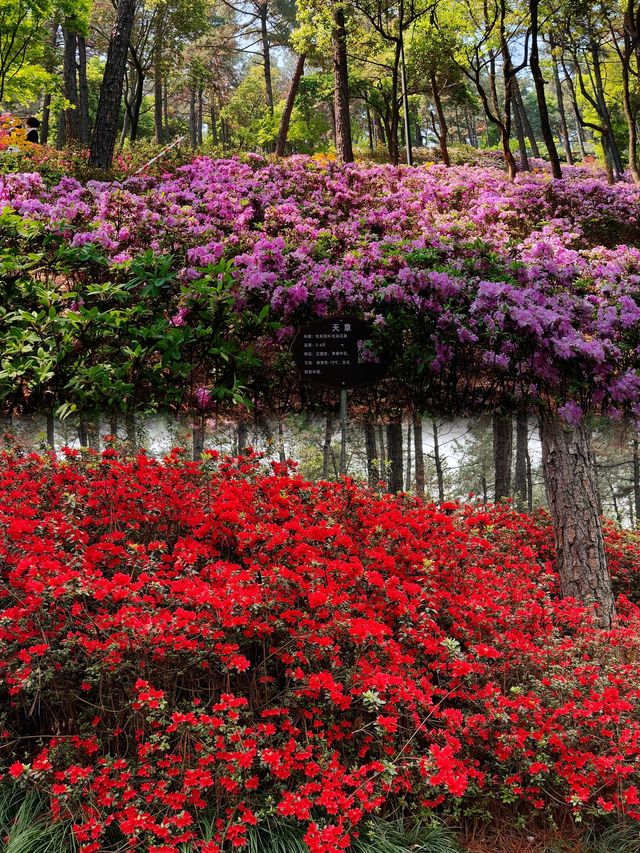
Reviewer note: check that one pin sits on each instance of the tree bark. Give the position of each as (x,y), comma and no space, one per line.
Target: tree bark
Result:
(536,71)
(283,133)
(373,475)
(326,447)
(83,91)
(526,121)
(437,458)
(442,121)
(522,145)
(344,147)
(70,88)
(564,129)
(193,130)
(502,455)
(158,54)
(243,437)
(263,8)
(573,503)
(636,480)
(106,128)
(409,464)
(418,452)
(394,456)
(520,477)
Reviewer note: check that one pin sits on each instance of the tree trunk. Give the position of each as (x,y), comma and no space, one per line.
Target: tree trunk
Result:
(576,110)
(283,133)
(198,440)
(137,104)
(104,135)
(344,148)
(437,458)
(418,452)
(522,145)
(326,447)
(193,130)
(526,121)
(70,88)
(408,480)
(49,67)
(573,504)
(373,475)
(502,454)
(609,139)
(636,480)
(536,71)
(46,117)
(51,431)
(83,91)
(442,121)
(214,119)
(394,456)
(200,112)
(382,453)
(266,53)
(520,478)
(564,129)
(243,437)
(83,433)
(158,52)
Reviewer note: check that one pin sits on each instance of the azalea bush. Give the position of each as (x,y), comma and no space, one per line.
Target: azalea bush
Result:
(187,651)
(495,291)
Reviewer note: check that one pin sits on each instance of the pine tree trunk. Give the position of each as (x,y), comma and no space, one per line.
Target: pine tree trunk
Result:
(442,121)
(373,475)
(283,133)
(522,145)
(214,119)
(193,131)
(520,478)
(437,458)
(344,148)
(198,440)
(326,447)
(573,504)
(70,88)
(394,456)
(51,431)
(158,54)
(502,455)
(266,53)
(106,128)
(243,437)
(636,480)
(408,480)
(382,454)
(538,79)
(526,121)
(418,452)
(566,142)
(83,91)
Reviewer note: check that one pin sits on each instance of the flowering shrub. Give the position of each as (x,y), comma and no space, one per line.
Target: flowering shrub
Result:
(527,290)
(180,640)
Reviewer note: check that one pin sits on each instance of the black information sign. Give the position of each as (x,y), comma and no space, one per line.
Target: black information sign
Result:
(333,353)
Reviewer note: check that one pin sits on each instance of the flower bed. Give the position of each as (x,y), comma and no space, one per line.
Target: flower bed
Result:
(497,291)
(181,641)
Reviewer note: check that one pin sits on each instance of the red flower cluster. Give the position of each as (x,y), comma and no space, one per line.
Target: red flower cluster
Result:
(182,637)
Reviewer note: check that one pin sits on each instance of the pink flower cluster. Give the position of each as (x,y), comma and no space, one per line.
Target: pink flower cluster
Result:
(540,277)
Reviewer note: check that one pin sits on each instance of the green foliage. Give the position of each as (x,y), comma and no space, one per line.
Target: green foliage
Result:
(114,339)
(26,825)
